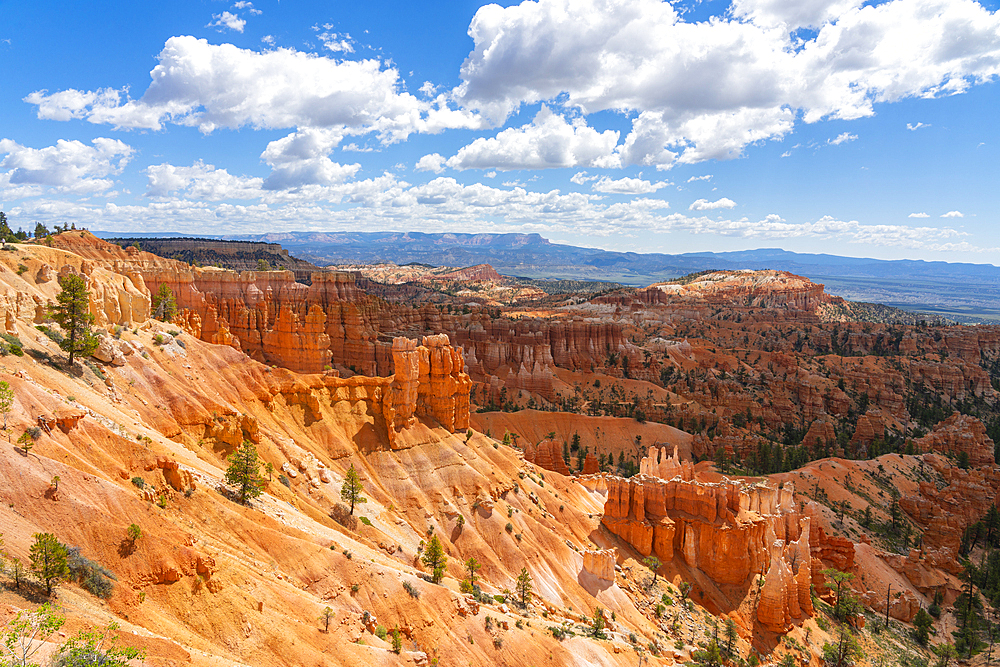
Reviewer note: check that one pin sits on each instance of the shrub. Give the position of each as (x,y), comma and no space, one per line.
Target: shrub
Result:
(93,577)
(139,482)
(412,590)
(509,527)
(365,520)
(284,480)
(381,632)
(21,268)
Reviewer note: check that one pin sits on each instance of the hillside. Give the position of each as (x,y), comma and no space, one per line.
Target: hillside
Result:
(536,439)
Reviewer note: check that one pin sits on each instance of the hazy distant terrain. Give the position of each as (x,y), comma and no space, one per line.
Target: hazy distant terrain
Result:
(966,292)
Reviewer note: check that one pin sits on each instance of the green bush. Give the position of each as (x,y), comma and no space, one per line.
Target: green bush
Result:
(139,482)
(381,632)
(92,576)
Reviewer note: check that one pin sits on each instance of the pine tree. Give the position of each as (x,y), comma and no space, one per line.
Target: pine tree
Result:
(48,560)
(472,566)
(244,471)
(326,617)
(72,312)
(524,586)
(352,489)
(164,305)
(435,558)
(6,401)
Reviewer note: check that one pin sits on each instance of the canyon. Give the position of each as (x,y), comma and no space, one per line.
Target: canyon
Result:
(741,432)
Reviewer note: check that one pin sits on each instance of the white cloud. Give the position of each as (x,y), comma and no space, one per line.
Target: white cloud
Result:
(793,15)
(549,141)
(301,158)
(227,20)
(913,128)
(336,42)
(433,162)
(68,167)
(842,138)
(953,214)
(243,4)
(705,205)
(212,86)
(706,90)
(627,186)
(706,177)
(787,154)
(918,215)
(201,182)
(581,178)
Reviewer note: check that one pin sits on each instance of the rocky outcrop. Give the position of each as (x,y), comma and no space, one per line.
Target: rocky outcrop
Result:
(658,464)
(944,514)
(960,434)
(590,464)
(429,383)
(601,564)
(547,454)
(731,531)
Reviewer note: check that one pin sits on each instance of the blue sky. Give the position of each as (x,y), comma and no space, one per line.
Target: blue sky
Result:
(840,126)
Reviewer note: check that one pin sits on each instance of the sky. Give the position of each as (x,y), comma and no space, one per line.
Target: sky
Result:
(866,129)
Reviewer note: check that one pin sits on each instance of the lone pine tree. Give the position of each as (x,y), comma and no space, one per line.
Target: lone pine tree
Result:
(72,312)
(352,489)
(244,471)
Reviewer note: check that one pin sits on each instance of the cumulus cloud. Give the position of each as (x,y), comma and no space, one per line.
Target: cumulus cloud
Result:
(227,20)
(793,15)
(581,178)
(953,214)
(433,162)
(705,205)
(918,215)
(706,90)
(68,166)
(627,186)
(200,181)
(842,138)
(211,86)
(549,141)
(706,177)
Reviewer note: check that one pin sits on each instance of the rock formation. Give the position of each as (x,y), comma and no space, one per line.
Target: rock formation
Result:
(547,454)
(601,564)
(960,434)
(730,530)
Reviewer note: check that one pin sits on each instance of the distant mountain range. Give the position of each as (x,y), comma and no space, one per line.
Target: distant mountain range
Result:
(966,292)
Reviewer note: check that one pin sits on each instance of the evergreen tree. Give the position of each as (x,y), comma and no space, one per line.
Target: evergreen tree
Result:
(6,235)
(524,586)
(352,489)
(472,566)
(653,563)
(40,230)
(435,558)
(731,636)
(597,626)
(164,305)
(48,560)
(244,471)
(72,313)
(922,624)
(6,401)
